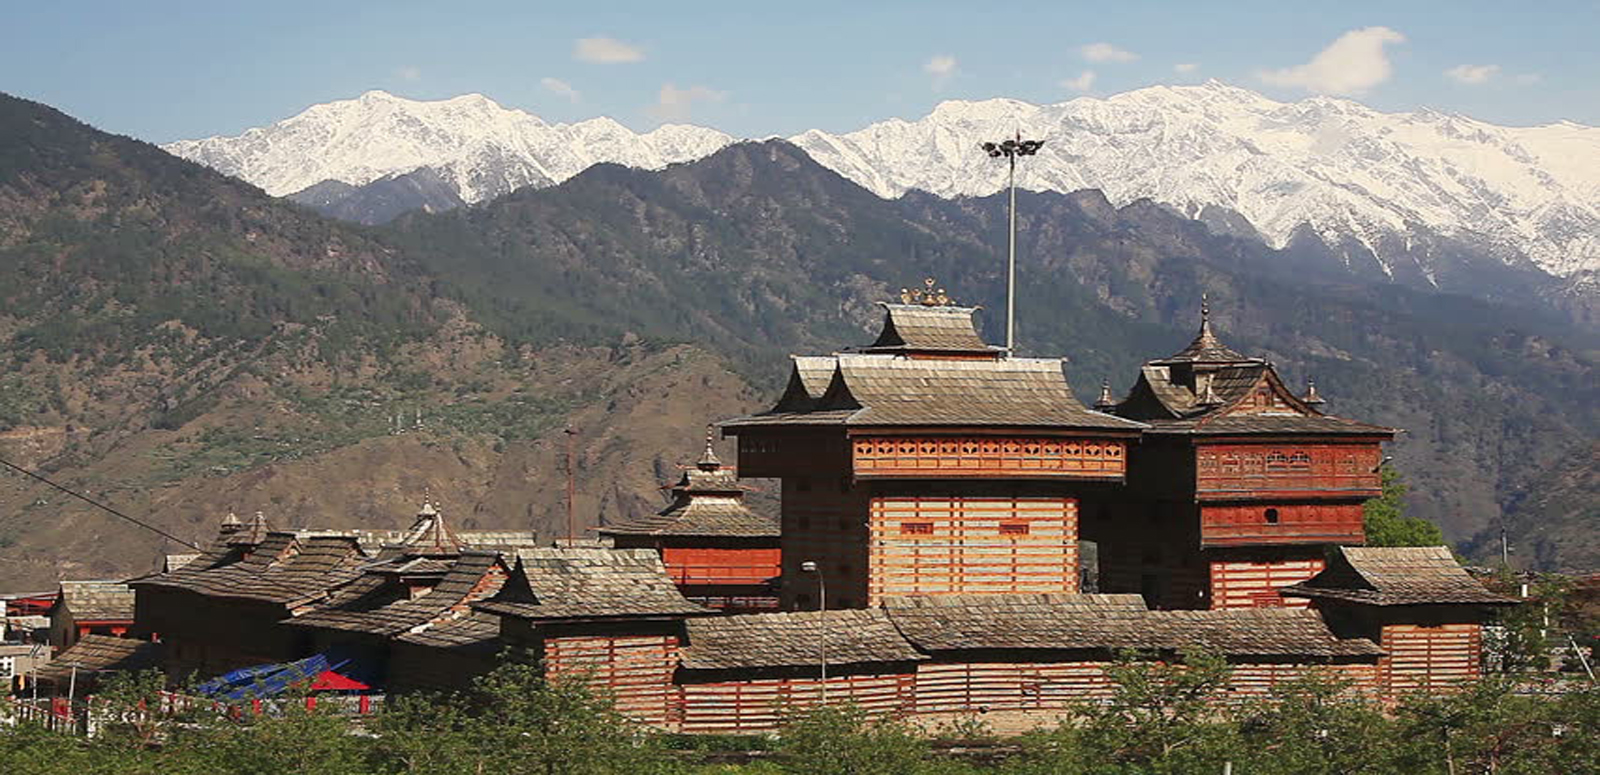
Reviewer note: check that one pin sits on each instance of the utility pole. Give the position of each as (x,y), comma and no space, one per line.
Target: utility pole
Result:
(1011,149)
(572,486)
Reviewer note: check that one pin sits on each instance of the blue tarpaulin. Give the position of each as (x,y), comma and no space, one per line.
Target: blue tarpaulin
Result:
(266,681)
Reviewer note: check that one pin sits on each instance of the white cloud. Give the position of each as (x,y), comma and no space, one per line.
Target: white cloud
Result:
(605,51)
(560,88)
(675,104)
(1472,74)
(1185,68)
(1355,62)
(941,68)
(1084,81)
(1105,52)
(409,73)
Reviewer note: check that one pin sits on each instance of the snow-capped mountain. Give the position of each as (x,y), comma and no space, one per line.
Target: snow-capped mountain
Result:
(470,142)
(1351,174)
(1423,197)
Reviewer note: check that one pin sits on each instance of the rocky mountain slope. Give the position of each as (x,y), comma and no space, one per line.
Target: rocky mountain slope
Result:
(635,305)
(180,345)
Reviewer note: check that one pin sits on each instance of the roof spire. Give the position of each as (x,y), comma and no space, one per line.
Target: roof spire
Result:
(709,461)
(230,524)
(1105,403)
(1312,397)
(929,296)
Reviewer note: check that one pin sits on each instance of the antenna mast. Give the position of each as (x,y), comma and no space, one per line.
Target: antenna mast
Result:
(572,486)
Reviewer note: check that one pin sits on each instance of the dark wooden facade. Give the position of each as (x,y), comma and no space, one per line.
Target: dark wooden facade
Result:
(929,463)
(1247,483)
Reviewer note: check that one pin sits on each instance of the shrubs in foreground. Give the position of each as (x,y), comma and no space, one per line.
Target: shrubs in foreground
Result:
(1162,718)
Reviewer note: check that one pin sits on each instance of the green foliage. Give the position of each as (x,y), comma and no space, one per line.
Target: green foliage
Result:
(1162,717)
(1490,728)
(1314,724)
(844,740)
(512,720)
(1386,521)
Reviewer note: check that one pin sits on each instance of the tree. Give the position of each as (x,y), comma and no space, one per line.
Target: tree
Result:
(1162,717)
(1385,520)
(512,720)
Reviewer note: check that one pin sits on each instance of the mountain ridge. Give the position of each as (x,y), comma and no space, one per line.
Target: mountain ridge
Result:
(332,373)
(1399,191)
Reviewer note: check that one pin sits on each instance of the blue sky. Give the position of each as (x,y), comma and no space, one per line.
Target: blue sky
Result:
(168,70)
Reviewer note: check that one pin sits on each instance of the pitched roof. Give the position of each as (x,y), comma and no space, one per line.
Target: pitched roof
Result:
(101,653)
(883,390)
(919,328)
(1206,347)
(1395,575)
(857,636)
(97,600)
(284,568)
(1100,622)
(586,583)
(706,501)
(374,605)
(1171,405)
(475,632)
(1269,424)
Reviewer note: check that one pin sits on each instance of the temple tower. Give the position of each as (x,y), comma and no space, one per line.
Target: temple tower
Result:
(930,463)
(1238,487)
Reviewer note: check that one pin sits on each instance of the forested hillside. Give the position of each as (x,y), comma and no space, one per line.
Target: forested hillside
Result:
(181,344)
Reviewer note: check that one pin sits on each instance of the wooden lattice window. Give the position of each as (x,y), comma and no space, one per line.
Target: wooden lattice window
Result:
(1013,528)
(916,528)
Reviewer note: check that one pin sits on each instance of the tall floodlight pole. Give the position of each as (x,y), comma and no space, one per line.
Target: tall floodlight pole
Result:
(1011,149)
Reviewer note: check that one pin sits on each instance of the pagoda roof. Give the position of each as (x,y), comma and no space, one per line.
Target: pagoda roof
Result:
(1207,348)
(879,390)
(707,501)
(921,328)
(1395,575)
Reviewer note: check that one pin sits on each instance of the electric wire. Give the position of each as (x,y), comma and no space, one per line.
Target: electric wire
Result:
(99,505)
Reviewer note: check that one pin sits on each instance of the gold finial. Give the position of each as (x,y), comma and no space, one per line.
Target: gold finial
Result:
(1105,402)
(928,296)
(709,460)
(1312,396)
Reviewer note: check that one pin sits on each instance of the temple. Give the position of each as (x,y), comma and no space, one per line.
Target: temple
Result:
(717,550)
(1237,487)
(931,463)
(957,533)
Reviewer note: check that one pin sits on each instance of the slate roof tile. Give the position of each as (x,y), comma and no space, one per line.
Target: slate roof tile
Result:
(97,600)
(858,636)
(1388,576)
(589,583)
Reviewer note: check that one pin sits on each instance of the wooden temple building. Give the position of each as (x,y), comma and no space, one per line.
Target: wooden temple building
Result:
(929,462)
(1238,486)
(947,496)
(718,551)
